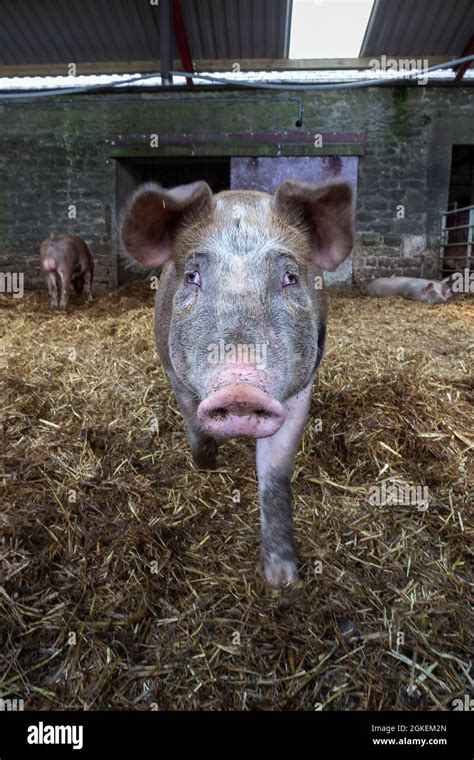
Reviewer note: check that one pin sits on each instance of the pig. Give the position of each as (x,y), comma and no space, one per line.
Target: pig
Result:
(413,288)
(65,261)
(243,269)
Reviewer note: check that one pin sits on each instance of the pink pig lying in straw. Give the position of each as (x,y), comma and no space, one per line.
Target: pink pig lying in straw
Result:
(413,288)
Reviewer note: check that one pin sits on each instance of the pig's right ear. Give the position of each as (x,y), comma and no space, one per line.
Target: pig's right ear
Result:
(153,214)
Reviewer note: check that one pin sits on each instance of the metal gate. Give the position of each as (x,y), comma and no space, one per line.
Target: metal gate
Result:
(457,240)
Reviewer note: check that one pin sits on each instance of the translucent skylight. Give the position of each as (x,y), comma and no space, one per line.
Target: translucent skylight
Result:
(328,28)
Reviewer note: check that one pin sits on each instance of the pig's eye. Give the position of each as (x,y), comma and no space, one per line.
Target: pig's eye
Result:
(290,279)
(194,278)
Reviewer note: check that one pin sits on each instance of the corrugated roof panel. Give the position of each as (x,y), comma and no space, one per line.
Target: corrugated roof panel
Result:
(88,31)
(19,45)
(418,27)
(147,29)
(219,32)
(245,21)
(207,25)
(193,29)
(120,28)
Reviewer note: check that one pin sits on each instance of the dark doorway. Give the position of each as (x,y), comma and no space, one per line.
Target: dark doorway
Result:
(458,222)
(461,188)
(132,172)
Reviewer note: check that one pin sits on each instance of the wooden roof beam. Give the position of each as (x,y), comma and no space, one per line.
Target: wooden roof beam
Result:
(205,66)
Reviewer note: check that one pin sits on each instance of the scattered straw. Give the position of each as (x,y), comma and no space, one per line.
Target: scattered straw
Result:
(129,578)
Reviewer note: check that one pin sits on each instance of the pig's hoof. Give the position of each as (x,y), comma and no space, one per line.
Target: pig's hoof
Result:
(280,572)
(54,305)
(205,454)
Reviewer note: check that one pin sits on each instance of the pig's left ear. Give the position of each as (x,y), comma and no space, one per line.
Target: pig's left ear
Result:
(326,212)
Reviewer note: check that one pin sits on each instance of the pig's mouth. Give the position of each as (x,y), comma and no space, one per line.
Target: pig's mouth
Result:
(240,410)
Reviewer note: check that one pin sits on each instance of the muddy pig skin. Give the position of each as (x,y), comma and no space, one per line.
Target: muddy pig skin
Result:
(66,261)
(413,288)
(240,321)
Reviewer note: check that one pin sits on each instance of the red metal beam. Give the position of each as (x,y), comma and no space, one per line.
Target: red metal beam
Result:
(463,67)
(182,40)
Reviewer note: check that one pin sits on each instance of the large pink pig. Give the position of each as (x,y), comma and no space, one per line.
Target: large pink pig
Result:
(240,321)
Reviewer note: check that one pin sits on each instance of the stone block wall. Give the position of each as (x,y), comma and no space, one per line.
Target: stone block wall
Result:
(58,160)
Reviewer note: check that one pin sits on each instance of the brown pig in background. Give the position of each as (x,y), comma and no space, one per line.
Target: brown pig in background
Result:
(413,288)
(242,271)
(65,261)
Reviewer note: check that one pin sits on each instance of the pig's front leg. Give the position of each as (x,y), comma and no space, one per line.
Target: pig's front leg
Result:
(275,458)
(203,447)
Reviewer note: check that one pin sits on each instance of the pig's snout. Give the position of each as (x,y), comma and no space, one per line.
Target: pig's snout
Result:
(240,410)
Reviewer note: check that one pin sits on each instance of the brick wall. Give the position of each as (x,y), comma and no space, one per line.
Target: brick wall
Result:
(56,161)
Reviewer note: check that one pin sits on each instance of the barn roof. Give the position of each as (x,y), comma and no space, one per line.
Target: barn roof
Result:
(419,27)
(41,39)
(87,31)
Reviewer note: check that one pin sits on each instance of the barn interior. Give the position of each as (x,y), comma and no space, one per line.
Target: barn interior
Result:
(131,580)
(404,136)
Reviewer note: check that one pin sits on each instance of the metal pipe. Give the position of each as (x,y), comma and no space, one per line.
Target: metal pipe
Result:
(166,42)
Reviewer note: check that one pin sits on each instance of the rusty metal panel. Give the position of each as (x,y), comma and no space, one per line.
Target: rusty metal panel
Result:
(265,174)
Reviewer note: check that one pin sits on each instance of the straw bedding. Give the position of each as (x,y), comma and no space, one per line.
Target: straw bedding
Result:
(130,580)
